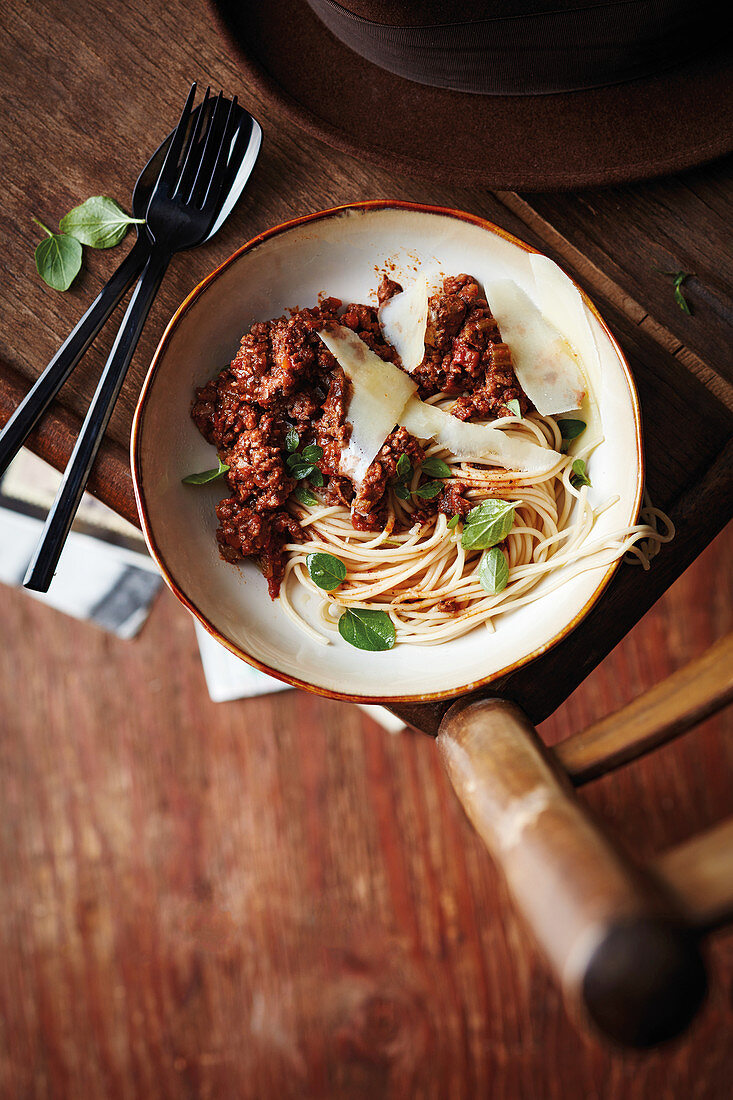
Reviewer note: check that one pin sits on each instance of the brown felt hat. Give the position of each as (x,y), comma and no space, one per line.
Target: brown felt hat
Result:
(511,94)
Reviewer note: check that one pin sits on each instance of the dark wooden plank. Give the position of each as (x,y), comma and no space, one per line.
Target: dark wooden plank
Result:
(635,233)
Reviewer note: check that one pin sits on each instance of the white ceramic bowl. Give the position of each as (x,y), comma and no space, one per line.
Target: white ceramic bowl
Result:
(339,252)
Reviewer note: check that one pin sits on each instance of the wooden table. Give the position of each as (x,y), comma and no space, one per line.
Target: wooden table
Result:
(273,897)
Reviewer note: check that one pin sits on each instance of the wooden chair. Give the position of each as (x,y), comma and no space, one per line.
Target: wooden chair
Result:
(623,941)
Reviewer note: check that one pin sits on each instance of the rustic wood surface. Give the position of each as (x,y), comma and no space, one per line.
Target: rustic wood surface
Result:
(273,897)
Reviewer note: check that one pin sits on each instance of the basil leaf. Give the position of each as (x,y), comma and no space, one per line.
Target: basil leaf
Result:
(371,630)
(206,476)
(678,295)
(404,467)
(493,573)
(487,524)
(435,467)
(292,439)
(299,468)
(58,258)
(315,477)
(312,453)
(579,476)
(99,222)
(326,571)
(430,490)
(401,491)
(514,406)
(453,522)
(571,429)
(303,494)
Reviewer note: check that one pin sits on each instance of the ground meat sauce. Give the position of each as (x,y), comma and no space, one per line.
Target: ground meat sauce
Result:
(464,352)
(283,378)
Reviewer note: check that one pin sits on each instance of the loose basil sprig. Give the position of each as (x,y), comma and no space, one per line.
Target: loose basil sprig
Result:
(99,222)
(678,278)
(487,524)
(579,475)
(364,629)
(515,408)
(206,476)
(453,522)
(493,573)
(58,258)
(326,571)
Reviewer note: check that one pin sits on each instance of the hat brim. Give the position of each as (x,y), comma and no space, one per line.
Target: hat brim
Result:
(617,134)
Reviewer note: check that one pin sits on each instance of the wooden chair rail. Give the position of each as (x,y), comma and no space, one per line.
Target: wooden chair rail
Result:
(699,872)
(685,698)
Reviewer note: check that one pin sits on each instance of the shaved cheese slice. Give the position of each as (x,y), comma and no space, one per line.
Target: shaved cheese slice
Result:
(403,319)
(379,392)
(471,441)
(544,361)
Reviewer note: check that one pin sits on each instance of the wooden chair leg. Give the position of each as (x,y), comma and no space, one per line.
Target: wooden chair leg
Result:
(624,955)
(685,698)
(699,873)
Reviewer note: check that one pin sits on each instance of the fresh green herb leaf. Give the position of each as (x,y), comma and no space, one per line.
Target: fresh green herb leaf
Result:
(326,571)
(678,278)
(206,476)
(579,475)
(493,573)
(292,440)
(315,477)
(514,406)
(571,429)
(488,523)
(304,496)
(453,522)
(430,490)
(58,258)
(371,630)
(312,453)
(99,222)
(435,467)
(299,469)
(404,467)
(401,491)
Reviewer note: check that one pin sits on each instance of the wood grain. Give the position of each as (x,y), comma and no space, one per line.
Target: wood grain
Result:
(273,897)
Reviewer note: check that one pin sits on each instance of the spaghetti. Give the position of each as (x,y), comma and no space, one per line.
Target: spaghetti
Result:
(416,570)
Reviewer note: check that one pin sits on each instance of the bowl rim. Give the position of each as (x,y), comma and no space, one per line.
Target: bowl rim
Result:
(139,415)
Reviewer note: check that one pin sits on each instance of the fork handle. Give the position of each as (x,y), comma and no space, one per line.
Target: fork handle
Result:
(48,384)
(43,564)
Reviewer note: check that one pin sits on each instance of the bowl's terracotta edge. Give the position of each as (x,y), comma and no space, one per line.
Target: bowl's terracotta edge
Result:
(373,204)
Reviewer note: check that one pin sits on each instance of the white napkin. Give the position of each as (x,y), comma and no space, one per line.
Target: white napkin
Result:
(229,678)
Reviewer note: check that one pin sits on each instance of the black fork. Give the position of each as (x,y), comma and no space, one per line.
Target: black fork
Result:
(181,211)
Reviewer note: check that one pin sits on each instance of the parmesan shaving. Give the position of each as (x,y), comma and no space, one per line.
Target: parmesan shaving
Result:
(544,361)
(476,441)
(403,319)
(379,393)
